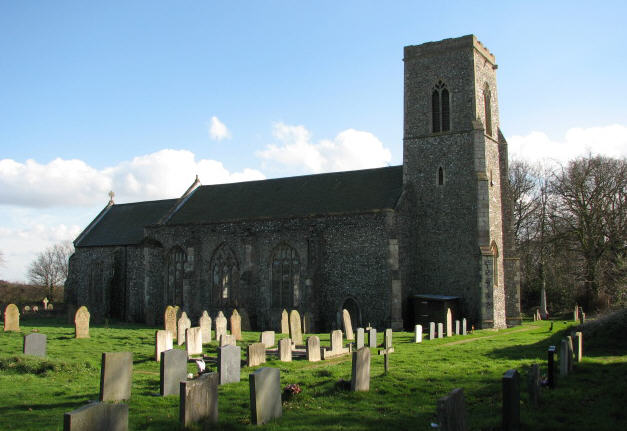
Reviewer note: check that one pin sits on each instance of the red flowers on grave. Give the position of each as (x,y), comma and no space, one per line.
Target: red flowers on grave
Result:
(290,391)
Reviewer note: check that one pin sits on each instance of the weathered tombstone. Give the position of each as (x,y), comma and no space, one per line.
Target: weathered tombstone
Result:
(45,302)
(26,308)
(285,350)
(97,417)
(551,367)
(35,308)
(295,328)
(169,321)
(285,323)
(533,384)
(256,354)
(267,338)
(464,329)
(308,322)
(431,330)
(372,337)
(193,341)
(50,307)
(388,349)
(182,325)
(163,342)
(440,330)
(199,400)
(227,339)
(359,338)
(205,327)
(35,345)
(81,323)
(452,411)
(578,346)
(388,338)
(265,395)
(173,370)
(348,325)
(449,322)
(511,400)
(116,376)
(236,325)
(576,313)
(220,323)
(457,329)
(571,353)
(229,364)
(336,345)
(11,318)
(313,348)
(360,379)
(563,357)
(418,334)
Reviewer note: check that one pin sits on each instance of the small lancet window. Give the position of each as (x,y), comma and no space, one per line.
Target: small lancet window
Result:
(487,102)
(440,176)
(440,108)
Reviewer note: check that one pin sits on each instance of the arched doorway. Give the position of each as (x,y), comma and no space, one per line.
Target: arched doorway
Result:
(350,305)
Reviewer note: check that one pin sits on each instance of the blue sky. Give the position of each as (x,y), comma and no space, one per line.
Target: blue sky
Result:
(123,95)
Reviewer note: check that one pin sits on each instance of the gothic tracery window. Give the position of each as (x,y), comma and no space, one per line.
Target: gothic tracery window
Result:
(285,277)
(440,108)
(224,277)
(176,270)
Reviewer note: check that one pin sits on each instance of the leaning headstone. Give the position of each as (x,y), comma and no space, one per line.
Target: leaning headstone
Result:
(220,323)
(97,417)
(199,400)
(431,330)
(205,327)
(265,395)
(533,384)
(440,330)
(551,367)
(372,337)
(285,323)
(457,329)
(11,318)
(348,325)
(578,346)
(169,321)
(296,333)
(116,376)
(313,348)
(173,370)
(227,339)
(267,338)
(182,325)
(229,364)
(163,342)
(511,400)
(256,353)
(81,323)
(452,411)
(193,341)
(418,334)
(464,330)
(285,350)
(359,338)
(449,322)
(564,357)
(35,345)
(236,325)
(360,380)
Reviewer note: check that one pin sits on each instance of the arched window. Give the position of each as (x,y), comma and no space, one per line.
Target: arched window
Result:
(224,277)
(495,264)
(285,275)
(440,176)
(176,270)
(488,110)
(440,108)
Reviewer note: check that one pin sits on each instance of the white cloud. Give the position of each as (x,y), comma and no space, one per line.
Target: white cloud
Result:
(350,149)
(218,130)
(609,141)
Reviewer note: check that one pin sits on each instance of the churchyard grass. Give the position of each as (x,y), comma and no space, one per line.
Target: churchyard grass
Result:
(34,392)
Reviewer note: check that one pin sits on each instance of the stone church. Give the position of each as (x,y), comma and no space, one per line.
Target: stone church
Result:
(378,242)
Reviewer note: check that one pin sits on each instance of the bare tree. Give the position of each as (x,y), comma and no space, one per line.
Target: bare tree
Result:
(50,267)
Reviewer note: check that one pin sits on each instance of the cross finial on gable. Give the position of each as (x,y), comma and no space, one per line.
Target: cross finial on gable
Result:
(111,196)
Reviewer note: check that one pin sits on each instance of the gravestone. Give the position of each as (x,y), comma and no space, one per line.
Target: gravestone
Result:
(295,328)
(360,379)
(163,342)
(457,329)
(267,338)
(265,395)
(205,327)
(285,350)
(440,330)
(35,345)
(576,313)
(452,411)
(511,400)
(50,307)
(418,334)
(227,339)
(229,364)
(236,325)
(116,376)
(285,323)
(388,338)
(182,325)
(169,321)
(431,330)
(533,384)
(199,400)
(449,322)
(571,353)
(81,323)
(578,346)
(45,302)
(387,350)
(464,329)
(256,354)
(313,348)
(563,358)
(220,323)
(97,416)
(347,324)
(193,341)
(308,323)
(372,337)
(336,346)
(359,338)
(173,370)
(582,316)
(551,367)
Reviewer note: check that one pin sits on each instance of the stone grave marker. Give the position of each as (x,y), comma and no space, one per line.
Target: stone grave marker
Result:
(169,321)
(372,337)
(295,328)
(336,346)
(229,364)
(511,400)
(578,346)
(205,327)
(236,325)
(227,339)
(457,327)
(220,323)
(285,323)
(348,325)
(551,366)
(50,307)
(464,329)
(256,354)
(360,379)
(452,411)
(199,400)
(265,395)
(533,384)
(45,302)
(116,376)
(571,353)
(440,330)
(431,330)
(576,313)
(182,325)
(97,416)
(173,370)
(11,318)
(563,358)
(193,341)
(163,342)
(418,334)
(285,350)
(359,338)
(387,350)
(35,345)
(81,323)
(313,348)
(449,322)
(267,338)
(582,316)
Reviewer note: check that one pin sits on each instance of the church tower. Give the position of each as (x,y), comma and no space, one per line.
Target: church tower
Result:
(455,168)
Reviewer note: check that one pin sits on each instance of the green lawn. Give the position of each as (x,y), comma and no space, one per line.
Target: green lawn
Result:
(35,393)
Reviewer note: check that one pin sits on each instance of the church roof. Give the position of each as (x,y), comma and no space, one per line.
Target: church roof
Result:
(349,192)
